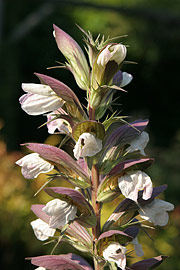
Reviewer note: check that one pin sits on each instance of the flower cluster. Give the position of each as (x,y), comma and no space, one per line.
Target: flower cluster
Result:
(108,160)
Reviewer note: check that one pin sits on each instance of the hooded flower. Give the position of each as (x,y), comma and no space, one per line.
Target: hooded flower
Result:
(131,182)
(32,165)
(112,52)
(42,230)
(60,212)
(57,124)
(87,146)
(116,253)
(39,99)
(139,143)
(156,212)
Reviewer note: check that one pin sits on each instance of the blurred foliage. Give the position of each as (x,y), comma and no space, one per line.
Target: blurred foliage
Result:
(27,45)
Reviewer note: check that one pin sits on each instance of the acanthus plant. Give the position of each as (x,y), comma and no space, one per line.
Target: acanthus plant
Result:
(107,162)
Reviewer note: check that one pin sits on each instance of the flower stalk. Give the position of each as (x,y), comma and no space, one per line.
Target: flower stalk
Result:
(92,113)
(106,160)
(96,231)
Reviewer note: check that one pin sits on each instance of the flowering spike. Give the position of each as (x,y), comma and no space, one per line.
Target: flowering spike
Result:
(110,162)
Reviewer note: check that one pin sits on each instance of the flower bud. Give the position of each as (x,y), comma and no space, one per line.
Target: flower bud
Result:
(111,52)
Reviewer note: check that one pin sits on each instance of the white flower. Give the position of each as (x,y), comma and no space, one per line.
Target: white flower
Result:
(139,143)
(115,52)
(87,146)
(137,247)
(156,212)
(60,124)
(116,253)
(42,230)
(60,212)
(126,79)
(32,165)
(40,268)
(39,99)
(131,182)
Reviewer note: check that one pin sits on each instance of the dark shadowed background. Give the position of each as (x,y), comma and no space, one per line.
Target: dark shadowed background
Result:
(27,46)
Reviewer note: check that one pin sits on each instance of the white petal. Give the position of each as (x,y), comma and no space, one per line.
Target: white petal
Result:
(126,79)
(112,52)
(58,124)
(116,253)
(40,89)
(104,56)
(42,230)
(60,212)
(155,212)
(118,53)
(34,104)
(138,248)
(55,206)
(87,145)
(32,165)
(139,143)
(131,182)
(40,268)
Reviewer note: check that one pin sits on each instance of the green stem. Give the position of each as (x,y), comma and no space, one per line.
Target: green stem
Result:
(96,231)
(92,113)
(95,203)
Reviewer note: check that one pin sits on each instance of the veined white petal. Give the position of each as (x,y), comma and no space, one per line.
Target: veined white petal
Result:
(60,212)
(116,253)
(35,104)
(32,165)
(42,230)
(156,212)
(36,88)
(139,143)
(54,207)
(126,79)
(87,145)
(131,182)
(58,124)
